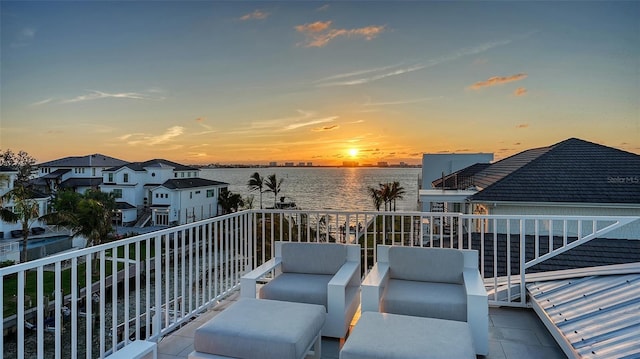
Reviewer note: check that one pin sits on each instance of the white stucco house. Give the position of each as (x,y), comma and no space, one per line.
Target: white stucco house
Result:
(572,177)
(79,173)
(160,192)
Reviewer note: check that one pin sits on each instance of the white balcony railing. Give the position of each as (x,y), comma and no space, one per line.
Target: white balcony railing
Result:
(90,302)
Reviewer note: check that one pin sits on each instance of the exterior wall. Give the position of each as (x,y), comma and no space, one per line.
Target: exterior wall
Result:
(630,231)
(434,164)
(195,205)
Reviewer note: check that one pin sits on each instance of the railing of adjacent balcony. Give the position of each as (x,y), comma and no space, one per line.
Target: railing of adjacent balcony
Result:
(145,287)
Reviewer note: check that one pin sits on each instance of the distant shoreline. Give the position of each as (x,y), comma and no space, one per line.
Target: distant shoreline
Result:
(314,166)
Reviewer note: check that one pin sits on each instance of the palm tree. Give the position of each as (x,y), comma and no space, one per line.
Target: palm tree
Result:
(89,215)
(385,194)
(256,182)
(25,210)
(375,195)
(273,185)
(396,192)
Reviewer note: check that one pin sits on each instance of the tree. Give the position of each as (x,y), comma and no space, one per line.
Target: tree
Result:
(229,201)
(89,215)
(25,210)
(21,161)
(375,195)
(273,185)
(396,192)
(256,182)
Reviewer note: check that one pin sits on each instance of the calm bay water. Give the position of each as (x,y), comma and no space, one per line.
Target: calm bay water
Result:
(311,188)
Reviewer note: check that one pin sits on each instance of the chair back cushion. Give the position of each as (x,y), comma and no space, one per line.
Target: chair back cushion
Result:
(313,258)
(441,265)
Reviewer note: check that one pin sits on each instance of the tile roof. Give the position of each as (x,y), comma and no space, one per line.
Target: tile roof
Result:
(571,171)
(191,183)
(94,160)
(81,182)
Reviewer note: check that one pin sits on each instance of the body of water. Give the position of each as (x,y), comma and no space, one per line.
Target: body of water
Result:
(336,188)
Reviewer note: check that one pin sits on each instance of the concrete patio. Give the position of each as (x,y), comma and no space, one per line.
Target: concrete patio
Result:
(513,334)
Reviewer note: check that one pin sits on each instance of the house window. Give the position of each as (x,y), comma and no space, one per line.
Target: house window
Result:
(117,193)
(93,172)
(211,193)
(190,195)
(110,177)
(162,219)
(157,195)
(175,175)
(125,178)
(188,174)
(197,192)
(182,174)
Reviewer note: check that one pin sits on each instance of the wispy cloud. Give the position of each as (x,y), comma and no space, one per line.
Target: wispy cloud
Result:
(255,15)
(522,125)
(403,102)
(497,80)
(43,102)
(319,33)
(375,74)
(153,140)
(304,118)
(520,91)
(201,121)
(294,126)
(97,95)
(324,7)
(24,37)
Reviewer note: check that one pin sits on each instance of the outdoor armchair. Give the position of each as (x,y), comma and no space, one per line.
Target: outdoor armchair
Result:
(316,273)
(430,282)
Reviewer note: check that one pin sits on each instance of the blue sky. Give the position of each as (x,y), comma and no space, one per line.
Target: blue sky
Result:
(322,82)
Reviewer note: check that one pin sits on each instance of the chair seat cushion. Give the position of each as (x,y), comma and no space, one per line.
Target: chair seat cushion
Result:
(298,287)
(425,299)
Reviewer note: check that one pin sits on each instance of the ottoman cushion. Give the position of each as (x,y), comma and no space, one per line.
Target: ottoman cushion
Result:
(383,335)
(257,328)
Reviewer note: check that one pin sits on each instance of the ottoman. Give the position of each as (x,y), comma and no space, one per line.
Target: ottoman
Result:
(260,328)
(384,335)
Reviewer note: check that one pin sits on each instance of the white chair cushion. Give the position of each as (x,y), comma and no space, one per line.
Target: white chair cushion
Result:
(423,299)
(313,258)
(298,287)
(440,265)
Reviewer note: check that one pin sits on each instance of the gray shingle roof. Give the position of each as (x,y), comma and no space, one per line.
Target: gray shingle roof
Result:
(571,171)
(94,160)
(191,183)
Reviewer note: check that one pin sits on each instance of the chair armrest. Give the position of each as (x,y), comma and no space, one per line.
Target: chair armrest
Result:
(477,309)
(474,285)
(248,281)
(348,273)
(373,287)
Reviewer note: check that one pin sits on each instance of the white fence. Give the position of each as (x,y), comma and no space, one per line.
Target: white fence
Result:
(164,279)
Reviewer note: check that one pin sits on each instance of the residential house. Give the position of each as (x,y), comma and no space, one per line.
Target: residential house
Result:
(572,177)
(161,192)
(79,173)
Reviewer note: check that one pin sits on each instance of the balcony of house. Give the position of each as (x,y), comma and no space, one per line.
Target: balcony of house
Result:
(160,286)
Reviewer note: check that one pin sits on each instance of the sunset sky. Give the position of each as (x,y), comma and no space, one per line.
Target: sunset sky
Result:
(201,82)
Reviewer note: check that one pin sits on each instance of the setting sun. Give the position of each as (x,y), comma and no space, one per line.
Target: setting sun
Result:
(353,152)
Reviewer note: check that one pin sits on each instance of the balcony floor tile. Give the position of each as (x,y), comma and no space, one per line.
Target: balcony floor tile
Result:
(513,334)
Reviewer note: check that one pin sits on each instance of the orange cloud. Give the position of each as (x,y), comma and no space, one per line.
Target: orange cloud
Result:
(255,15)
(497,80)
(522,125)
(520,91)
(319,33)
